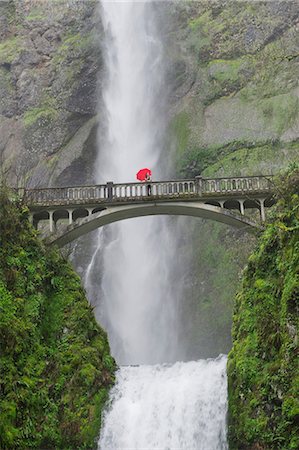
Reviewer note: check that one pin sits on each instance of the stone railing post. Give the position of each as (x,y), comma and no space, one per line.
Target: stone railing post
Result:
(198,184)
(110,191)
(51,221)
(262,209)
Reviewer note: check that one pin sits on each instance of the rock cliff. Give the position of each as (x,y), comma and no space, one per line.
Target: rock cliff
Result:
(234,68)
(50,61)
(232,76)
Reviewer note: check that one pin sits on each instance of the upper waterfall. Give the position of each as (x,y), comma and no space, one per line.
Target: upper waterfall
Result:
(137,301)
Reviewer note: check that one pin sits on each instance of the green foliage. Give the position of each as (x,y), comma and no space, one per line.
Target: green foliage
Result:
(263,367)
(55,364)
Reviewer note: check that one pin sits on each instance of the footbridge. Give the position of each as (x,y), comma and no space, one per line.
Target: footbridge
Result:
(63,214)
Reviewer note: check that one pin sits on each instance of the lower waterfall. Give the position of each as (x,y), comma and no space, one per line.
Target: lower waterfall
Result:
(168,407)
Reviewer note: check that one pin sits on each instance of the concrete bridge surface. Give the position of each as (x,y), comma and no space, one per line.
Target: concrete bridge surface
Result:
(70,212)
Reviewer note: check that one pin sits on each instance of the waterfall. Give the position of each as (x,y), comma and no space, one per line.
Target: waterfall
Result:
(137,302)
(163,407)
(161,403)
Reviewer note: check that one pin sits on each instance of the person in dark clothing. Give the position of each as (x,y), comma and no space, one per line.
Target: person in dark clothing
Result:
(148,179)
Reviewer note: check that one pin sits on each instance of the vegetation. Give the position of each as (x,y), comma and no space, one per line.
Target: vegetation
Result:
(41,114)
(55,365)
(9,50)
(263,364)
(261,159)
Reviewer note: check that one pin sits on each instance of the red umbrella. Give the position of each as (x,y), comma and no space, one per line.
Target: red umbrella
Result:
(142,174)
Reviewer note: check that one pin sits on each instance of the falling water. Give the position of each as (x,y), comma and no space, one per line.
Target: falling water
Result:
(173,406)
(178,407)
(137,301)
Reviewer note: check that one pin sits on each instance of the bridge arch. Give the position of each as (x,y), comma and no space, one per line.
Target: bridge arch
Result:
(85,208)
(122,212)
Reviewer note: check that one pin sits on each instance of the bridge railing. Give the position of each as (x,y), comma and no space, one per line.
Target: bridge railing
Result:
(237,184)
(156,188)
(66,194)
(112,192)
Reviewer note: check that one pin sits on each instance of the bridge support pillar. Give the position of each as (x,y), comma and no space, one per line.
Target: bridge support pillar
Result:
(70,211)
(221,203)
(262,209)
(51,221)
(242,211)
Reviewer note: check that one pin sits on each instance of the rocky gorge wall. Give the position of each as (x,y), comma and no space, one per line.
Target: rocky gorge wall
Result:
(233,66)
(50,61)
(55,363)
(263,370)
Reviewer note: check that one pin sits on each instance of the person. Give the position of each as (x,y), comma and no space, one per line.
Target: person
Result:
(148,179)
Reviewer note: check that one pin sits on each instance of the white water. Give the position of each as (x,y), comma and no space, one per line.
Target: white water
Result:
(179,406)
(138,302)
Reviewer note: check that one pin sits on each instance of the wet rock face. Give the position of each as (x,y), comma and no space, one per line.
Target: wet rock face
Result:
(50,60)
(231,73)
(233,68)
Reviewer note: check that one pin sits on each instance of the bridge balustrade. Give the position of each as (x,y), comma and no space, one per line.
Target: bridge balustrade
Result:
(157,189)
(160,189)
(236,185)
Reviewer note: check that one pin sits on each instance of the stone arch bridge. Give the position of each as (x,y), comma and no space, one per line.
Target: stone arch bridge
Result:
(69,212)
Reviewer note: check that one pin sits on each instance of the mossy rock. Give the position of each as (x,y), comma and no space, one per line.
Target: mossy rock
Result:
(56,368)
(10,49)
(262,366)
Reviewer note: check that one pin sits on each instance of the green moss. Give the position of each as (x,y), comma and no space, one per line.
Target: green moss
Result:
(281,111)
(73,46)
(263,159)
(36,14)
(55,365)
(274,74)
(223,70)
(48,111)
(180,128)
(10,50)
(262,366)
(200,22)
